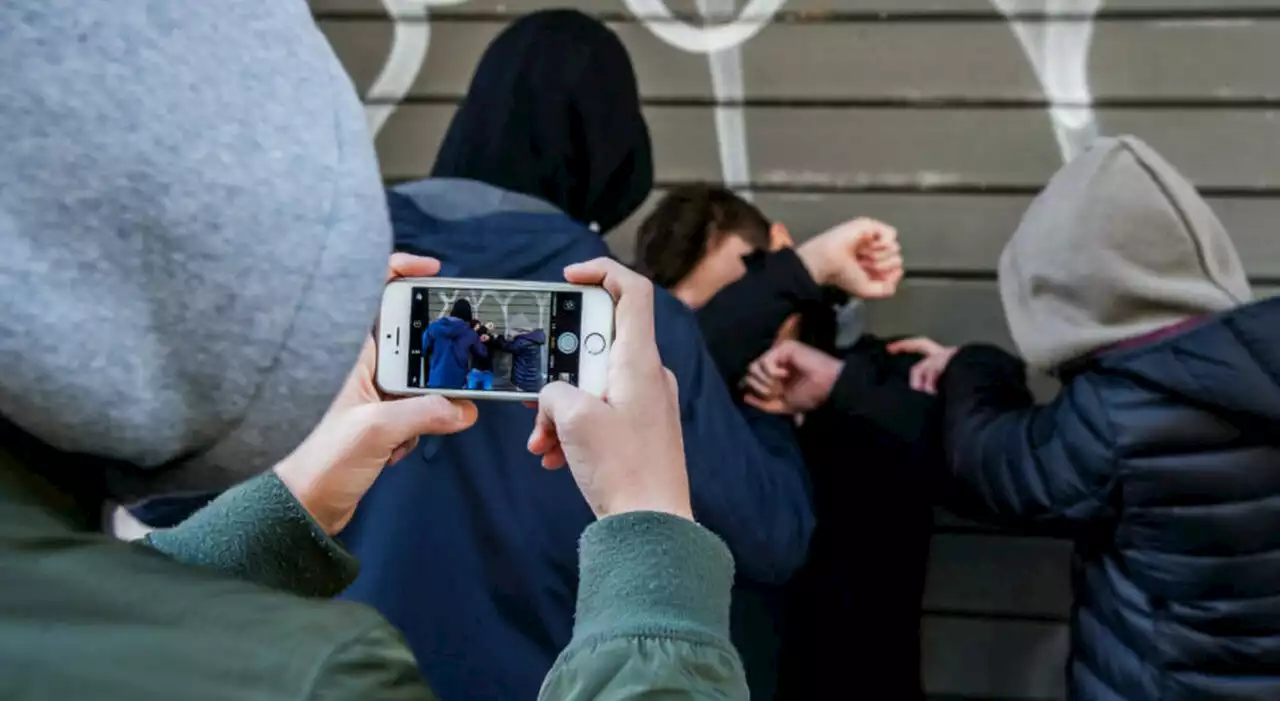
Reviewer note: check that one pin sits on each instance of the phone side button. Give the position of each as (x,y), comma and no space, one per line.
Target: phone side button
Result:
(595,344)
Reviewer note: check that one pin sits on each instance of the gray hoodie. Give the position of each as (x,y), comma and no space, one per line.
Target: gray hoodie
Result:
(193,230)
(1117,246)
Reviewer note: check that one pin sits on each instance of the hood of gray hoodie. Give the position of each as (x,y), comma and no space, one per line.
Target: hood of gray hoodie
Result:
(194,234)
(1118,245)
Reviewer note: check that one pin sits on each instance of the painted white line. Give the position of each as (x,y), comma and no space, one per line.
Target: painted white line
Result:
(410,40)
(1059,54)
(721,43)
(731,121)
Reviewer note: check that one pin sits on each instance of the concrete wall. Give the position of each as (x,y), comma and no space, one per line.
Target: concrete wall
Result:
(941,116)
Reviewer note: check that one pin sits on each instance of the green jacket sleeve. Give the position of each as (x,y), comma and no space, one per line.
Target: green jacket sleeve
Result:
(258,532)
(374,666)
(652,617)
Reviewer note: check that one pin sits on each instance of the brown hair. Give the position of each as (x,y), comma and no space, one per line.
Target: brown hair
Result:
(686,223)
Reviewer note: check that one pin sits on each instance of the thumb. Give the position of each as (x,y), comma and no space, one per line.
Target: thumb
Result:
(563,407)
(401,420)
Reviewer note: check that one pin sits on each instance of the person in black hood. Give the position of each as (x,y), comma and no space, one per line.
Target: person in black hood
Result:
(449,344)
(548,151)
(564,126)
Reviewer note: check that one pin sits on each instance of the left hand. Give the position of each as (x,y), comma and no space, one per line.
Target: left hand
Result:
(926,373)
(363,432)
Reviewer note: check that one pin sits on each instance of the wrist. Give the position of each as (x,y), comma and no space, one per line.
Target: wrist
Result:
(834,375)
(813,255)
(299,485)
(673,506)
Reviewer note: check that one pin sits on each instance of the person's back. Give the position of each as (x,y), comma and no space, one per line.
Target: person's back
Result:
(450,342)
(1159,456)
(553,90)
(527,364)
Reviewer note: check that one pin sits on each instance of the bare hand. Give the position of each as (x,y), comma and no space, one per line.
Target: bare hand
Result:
(626,452)
(926,373)
(861,257)
(792,378)
(363,432)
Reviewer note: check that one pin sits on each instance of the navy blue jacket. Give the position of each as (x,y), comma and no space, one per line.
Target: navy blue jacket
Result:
(1162,460)
(527,368)
(470,547)
(449,343)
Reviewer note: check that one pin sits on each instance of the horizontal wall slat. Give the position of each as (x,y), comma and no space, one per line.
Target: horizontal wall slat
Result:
(994,659)
(1001,576)
(964,234)
(925,62)
(924,149)
(954,311)
(814,9)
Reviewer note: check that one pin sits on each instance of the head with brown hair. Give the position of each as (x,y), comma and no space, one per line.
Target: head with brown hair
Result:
(694,241)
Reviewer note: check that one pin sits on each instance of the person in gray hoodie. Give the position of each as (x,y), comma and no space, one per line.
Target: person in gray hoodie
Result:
(195,239)
(1159,456)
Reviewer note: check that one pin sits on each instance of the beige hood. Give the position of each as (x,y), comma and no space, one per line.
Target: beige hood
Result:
(1118,245)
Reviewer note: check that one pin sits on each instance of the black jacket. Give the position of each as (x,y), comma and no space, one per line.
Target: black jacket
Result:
(1162,460)
(870,451)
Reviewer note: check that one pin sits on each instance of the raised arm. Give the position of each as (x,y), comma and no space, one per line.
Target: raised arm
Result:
(1033,467)
(741,322)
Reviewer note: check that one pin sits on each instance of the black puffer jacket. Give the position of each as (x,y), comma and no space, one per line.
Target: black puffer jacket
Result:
(1162,460)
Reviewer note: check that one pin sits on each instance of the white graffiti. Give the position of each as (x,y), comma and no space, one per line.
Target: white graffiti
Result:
(722,44)
(410,40)
(504,301)
(1059,54)
(1057,50)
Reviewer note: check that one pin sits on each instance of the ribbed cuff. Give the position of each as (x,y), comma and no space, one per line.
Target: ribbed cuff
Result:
(652,571)
(259,532)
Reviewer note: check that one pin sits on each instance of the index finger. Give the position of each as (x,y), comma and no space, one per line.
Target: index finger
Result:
(632,292)
(409,265)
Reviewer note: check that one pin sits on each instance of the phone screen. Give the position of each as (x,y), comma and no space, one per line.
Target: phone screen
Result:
(492,340)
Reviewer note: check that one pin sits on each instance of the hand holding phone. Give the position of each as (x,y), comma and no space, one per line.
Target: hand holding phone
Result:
(330,472)
(491,339)
(627,451)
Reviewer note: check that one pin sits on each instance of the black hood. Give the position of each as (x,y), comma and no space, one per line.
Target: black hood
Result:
(461,310)
(553,111)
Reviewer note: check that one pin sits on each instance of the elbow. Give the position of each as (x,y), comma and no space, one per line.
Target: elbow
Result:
(771,552)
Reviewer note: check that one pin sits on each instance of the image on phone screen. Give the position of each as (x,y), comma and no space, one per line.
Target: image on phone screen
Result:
(492,340)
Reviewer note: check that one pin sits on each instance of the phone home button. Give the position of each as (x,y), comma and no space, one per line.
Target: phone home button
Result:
(595,344)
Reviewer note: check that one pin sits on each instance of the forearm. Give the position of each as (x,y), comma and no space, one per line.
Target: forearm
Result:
(1008,459)
(869,390)
(259,532)
(760,473)
(742,321)
(652,615)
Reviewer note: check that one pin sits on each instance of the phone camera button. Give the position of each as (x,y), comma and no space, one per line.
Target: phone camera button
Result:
(567,343)
(595,344)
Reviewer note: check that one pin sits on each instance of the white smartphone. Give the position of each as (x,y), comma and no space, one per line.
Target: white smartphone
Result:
(492,339)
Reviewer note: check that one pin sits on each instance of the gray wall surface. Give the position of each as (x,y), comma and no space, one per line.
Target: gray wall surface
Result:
(943,117)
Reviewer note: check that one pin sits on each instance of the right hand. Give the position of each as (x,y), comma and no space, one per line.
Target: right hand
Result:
(792,378)
(626,452)
(925,373)
(861,257)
